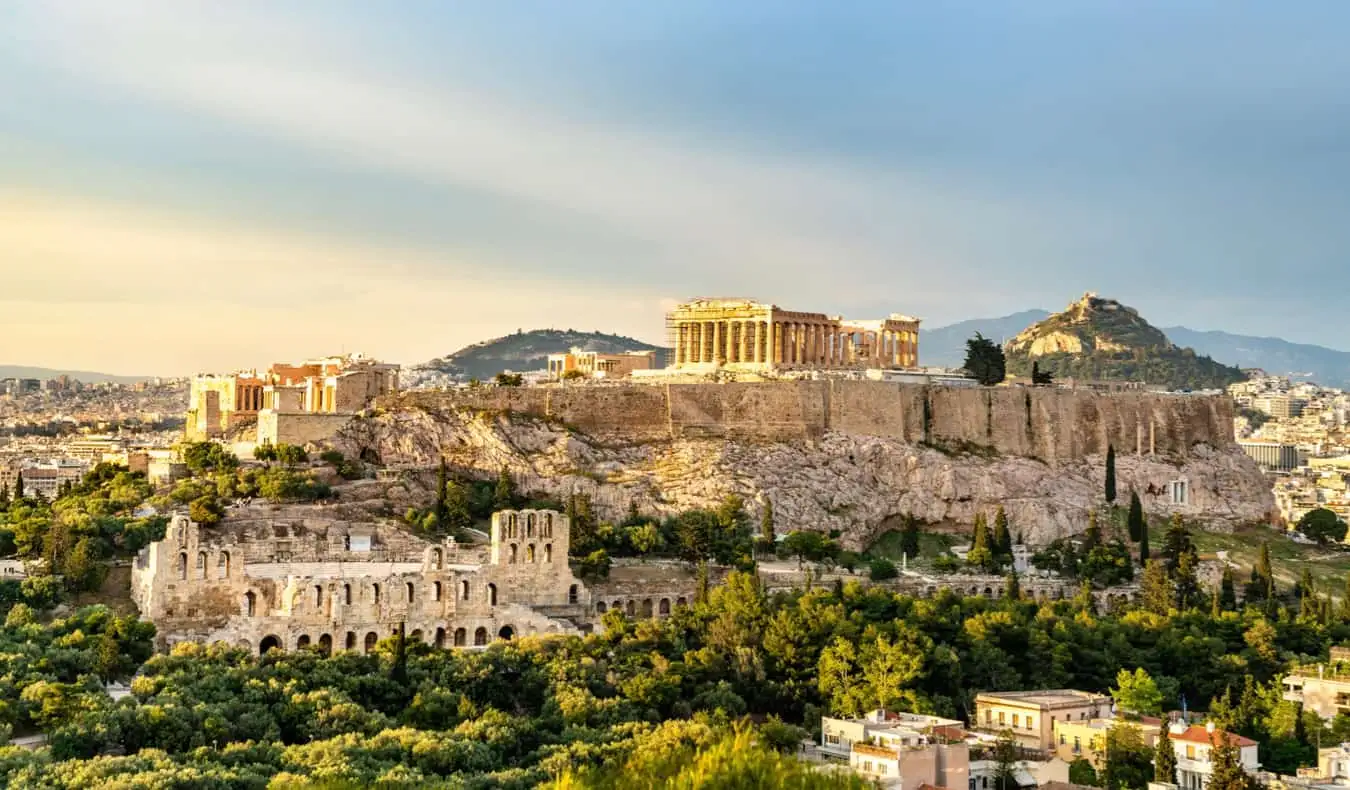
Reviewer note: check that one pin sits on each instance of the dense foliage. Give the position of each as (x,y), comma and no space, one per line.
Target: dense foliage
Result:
(532,711)
(985,360)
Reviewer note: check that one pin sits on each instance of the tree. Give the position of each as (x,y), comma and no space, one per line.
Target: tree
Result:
(18,486)
(265,452)
(1134,521)
(504,495)
(1110,473)
(1127,759)
(1137,692)
(441,510)
(1227,591)
(291,454)
(1186,586)
(981,554)
(1005,761)
(985,361)
(1322,525)
(805,545)
(456,504)
(766,531)
(1012,587)
(1003,544)
(1226,770)
(1040,378)
(882,569)
(1155,588)
(505,379)
(1164,757)
(1176,543)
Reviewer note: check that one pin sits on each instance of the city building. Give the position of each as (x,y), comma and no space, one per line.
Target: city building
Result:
(1031,716)
(742,334)
(1194,743)
(595,365)
(1279,406)
(219,405)
(1322,688)
(1076,739)
(902,750)
(1272,456)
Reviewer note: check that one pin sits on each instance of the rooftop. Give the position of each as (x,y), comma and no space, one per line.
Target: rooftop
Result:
(1045,698)
(1197,733)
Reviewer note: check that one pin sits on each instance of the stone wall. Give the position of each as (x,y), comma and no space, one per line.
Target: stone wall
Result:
(1051,425)
(298,428)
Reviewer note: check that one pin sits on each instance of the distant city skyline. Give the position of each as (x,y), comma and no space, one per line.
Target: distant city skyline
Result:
(205,187)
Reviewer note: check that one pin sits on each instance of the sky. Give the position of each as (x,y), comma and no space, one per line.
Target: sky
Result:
(190,186)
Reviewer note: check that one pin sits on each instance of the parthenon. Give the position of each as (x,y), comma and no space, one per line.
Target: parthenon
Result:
(748,335)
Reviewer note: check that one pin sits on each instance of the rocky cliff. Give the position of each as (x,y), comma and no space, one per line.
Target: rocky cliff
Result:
(850,476)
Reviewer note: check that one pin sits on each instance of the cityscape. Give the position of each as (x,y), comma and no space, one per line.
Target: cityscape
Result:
(821,498)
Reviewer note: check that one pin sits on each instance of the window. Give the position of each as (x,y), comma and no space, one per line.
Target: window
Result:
(548,552)
(1180,490)
(347,596)
(867,766)
(1077,745)
(881,768)
(1000,717)
(1190,752)
(832,739)
(988,717)
(436,591)
(376,588)
(529,553)
(1017,720)
(1061,739)
(464,590)
(412,591)
(492,595)
(318,595)
(1031,723)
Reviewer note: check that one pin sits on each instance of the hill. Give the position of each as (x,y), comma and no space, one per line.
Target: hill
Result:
(525,351)
(89,377)
(1097,338)
(1278,357)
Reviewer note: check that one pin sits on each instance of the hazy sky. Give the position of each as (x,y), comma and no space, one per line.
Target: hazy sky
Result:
(188,186)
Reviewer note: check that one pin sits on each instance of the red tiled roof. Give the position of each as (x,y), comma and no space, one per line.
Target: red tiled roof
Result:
(1199,734)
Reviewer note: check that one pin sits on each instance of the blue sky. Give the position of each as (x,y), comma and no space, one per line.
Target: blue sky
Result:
(189,186)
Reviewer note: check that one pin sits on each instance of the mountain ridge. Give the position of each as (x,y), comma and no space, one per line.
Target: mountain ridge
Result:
(526,351)
(86,376)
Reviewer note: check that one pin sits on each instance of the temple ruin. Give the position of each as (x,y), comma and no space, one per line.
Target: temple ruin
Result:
(742,334)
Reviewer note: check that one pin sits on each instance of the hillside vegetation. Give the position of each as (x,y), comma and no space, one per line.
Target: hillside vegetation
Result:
(525,351)
(1102,339)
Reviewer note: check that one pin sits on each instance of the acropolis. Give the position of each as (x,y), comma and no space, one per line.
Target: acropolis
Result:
(743,334)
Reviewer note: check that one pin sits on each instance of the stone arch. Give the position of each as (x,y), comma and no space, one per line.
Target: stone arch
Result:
(529,553)
(371,639)
(461,637)
(511,559)
(376,592)
(999,592)
(572,594)
(600,608)
(439,640)
(480,636)
(250,604)
(437,558)
(664,607)
(548,525)
(491,594)
(351,640)
(326,644)
(988,592)
(416,635)
(302,642)
(974,591)
(646,607)
(346,595)
(464,590)
(436,591)
(411,590)
(617,606)
(548,552)
(506,633)
(930,591)
(182,565)
(268,644)
(529,525)
(681,602)
(631,608)
(318,596)
(223,565)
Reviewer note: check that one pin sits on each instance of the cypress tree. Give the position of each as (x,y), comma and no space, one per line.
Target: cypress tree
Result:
(1345,601)
(1227,591)
(1002,538)
(504,496)
(1227,773)
(1110,473)
(1135,520)
(4,495)
(766,532)
(1012,588)
(1164,758)
(980,540)
(1265,572)
(18,486)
